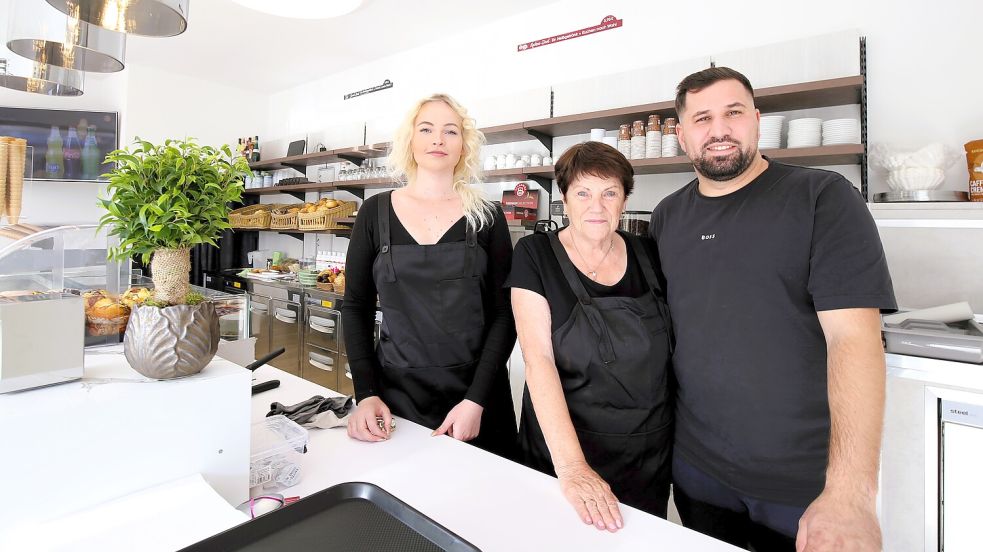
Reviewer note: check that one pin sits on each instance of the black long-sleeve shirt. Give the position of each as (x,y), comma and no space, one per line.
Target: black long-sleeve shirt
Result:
(359,307)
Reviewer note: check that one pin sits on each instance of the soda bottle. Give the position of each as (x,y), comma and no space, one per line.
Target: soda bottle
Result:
(54,159)
(72,153)
(91,157)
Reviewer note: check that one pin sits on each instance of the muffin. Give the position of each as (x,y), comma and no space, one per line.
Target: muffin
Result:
(106,316)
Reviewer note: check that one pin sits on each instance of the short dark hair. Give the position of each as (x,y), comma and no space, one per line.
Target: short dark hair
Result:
(595,159)
(702,79)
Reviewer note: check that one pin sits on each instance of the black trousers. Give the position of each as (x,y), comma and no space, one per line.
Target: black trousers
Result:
(709,507)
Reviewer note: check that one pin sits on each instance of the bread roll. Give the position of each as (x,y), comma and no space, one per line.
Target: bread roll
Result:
(107,308)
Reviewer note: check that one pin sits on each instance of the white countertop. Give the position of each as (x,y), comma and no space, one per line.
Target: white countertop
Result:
(936,371)
(493,503)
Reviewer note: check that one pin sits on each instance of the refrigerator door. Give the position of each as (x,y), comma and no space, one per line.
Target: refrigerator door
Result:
(961,480)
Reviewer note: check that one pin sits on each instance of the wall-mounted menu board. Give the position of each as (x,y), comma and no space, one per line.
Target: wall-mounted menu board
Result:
(68,145)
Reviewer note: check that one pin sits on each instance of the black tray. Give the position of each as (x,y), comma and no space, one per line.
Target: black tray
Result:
(353,517)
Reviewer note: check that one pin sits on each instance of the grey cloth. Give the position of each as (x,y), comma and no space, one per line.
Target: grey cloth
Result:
(316,411)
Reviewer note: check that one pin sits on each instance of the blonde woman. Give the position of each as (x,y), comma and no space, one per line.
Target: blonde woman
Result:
(436,256)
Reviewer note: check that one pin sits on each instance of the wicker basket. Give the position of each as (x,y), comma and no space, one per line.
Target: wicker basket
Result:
(251,217)
(283,222)
(325,220)
(325,286)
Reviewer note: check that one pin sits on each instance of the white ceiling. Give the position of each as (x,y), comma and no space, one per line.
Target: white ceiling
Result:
(228,43)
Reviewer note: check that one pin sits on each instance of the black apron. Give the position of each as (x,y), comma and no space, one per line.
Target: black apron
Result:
(433,331)
(613,356)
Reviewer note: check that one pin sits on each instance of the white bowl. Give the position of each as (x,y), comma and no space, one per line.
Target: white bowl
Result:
(915,178)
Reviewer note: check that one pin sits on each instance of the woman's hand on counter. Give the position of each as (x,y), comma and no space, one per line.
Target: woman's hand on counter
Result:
(463,421)
(364,424)
(590,495)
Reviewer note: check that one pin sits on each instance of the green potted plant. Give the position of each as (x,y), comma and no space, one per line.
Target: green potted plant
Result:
(163,199)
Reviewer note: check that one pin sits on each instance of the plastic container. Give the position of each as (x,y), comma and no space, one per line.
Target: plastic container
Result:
(276,444)
(957,341)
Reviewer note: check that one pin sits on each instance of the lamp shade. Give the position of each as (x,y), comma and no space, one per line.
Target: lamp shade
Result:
(18,73)
(42,34)
(137,17)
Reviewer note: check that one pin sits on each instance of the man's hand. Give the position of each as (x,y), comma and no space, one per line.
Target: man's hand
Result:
(839,521)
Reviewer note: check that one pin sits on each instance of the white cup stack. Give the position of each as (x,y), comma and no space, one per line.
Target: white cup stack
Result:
(597,134)
(670,145)
(841,131)
(653,144)
(611,141)
(637,147)
(771,132)
(805,133)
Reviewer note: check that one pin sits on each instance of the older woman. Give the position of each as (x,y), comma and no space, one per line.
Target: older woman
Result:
(595,336)
(436,255)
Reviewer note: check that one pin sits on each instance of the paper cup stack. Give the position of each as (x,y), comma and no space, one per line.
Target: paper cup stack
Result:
(16,158)
(670,145)
(771,132)
(805,133)
(653,144)
(841,131)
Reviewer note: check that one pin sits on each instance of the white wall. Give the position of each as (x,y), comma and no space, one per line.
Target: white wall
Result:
(162,104)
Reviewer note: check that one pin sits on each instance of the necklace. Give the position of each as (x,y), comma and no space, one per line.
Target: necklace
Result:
(593,272)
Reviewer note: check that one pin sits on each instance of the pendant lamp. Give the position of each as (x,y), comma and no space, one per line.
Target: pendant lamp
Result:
(138,17)
(42,34)
(18,73)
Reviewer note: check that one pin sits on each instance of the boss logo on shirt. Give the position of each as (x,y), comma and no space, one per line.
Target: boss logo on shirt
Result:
(704,237)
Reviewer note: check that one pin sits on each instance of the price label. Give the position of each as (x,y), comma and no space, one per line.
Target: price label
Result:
(327,304)
(237,284)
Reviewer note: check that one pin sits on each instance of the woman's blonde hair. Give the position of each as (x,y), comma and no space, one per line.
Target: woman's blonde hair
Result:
(477,210)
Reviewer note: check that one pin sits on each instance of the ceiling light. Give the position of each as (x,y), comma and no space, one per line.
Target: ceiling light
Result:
(22,74)
(138,17)
(42,34)
(302,9)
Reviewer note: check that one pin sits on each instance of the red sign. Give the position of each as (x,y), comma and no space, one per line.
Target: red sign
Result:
(608,23)
(520,189)
(528,200)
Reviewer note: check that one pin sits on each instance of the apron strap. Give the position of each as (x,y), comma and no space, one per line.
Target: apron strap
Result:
(583,298)
(471,251)
(644,259)
(385,243)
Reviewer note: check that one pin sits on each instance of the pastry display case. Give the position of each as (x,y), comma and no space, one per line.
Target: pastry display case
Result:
(72,261)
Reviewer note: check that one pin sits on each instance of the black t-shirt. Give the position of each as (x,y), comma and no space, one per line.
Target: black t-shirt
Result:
(535,268)
(359,307)
(746,273)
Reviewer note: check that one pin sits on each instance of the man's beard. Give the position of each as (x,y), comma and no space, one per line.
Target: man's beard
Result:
(726,168)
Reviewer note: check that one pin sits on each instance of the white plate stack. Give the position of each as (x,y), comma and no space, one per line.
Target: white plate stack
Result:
(805,133)
(841,131)
(670,145)
(771,132)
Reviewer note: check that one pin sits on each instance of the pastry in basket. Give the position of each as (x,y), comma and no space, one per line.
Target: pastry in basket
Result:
(135,296)
(92,296)
(106,316)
